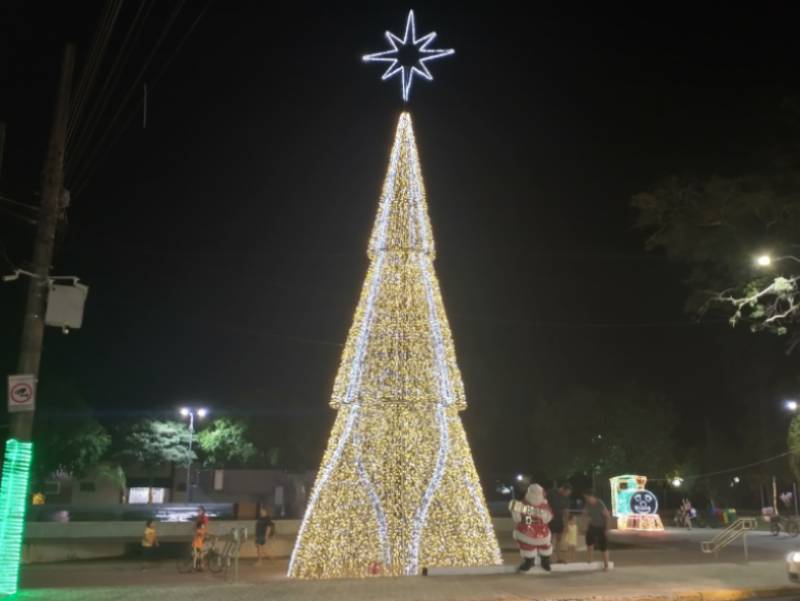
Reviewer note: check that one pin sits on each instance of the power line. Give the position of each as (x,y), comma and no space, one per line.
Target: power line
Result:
(729,470)
(98,146)
(19,204)
(590,324)
(92,67)
(90,169)
(19,216)
(132,36)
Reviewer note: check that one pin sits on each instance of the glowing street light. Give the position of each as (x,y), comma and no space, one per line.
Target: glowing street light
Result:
(790,405)
(763,260)
(677,481)
(519,477)
(190,412)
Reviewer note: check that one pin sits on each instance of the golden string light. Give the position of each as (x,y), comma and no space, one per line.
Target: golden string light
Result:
(397,490)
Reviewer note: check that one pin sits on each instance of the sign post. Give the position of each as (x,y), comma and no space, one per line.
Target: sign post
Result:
(21,393)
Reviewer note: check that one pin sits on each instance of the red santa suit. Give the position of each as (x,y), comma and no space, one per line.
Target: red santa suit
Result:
(532,516)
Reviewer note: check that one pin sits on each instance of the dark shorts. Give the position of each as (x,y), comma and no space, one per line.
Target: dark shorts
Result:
(148,553)
(261,539)
(596,537)
(556,526)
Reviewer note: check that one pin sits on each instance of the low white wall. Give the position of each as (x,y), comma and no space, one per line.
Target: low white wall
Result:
(45,552)
(49,541)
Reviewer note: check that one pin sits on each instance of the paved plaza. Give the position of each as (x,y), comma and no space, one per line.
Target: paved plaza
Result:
(654,565)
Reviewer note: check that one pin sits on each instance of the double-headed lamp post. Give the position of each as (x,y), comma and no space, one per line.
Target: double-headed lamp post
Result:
(191,412)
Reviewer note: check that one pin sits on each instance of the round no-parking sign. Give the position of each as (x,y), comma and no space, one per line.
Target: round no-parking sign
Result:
(21,393)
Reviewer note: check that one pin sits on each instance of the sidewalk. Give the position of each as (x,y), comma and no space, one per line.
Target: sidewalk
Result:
(717,582)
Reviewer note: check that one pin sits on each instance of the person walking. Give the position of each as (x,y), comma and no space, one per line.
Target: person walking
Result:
(558,498)
(686,514)
(265,528)
(149,544)
(571,537)
(599,521)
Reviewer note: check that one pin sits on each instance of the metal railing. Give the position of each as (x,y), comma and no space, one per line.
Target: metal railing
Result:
(737,529)
(230,552)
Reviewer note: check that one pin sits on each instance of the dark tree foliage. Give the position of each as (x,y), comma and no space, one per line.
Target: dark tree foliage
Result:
(225,444)
(718,224)
(68,438)
(603,433)
(153,444)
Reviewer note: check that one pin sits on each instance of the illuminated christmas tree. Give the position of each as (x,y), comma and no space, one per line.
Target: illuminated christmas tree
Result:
(397,490)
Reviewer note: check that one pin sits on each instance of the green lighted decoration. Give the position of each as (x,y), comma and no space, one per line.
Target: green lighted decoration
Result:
(13,502)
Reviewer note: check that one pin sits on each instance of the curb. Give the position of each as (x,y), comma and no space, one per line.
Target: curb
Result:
(734,594)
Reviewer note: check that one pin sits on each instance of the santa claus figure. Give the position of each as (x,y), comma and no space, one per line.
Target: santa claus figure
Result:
(531,532)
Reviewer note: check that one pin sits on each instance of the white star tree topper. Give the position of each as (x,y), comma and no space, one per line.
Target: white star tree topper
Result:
(393,56)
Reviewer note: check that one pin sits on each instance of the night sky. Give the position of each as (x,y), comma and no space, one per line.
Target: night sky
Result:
(225,243)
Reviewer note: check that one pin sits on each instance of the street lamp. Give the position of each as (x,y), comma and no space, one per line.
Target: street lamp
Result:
(765,260)
(677,481)
(790,405)
(191,412)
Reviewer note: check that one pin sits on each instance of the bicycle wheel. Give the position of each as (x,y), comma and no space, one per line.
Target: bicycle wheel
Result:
(215,561)
(185,564)
(775,527)
(792,528)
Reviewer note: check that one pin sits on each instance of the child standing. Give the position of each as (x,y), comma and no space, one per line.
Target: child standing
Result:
(198,542)
(149,543)
(571,537)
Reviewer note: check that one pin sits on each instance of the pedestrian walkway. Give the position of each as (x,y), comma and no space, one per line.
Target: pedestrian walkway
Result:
(647,581)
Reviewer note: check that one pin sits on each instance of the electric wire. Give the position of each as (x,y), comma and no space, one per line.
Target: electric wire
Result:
(728,470)
(78,94)
(18,215)
(89,70)
(89,171)
(92,67)
(85,135)
(98,146)
(591,324)
(19,204)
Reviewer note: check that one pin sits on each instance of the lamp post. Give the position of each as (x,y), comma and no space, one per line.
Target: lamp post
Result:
(191,412)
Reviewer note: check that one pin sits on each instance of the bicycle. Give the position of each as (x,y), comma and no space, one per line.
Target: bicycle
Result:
(788,525)
(210,557)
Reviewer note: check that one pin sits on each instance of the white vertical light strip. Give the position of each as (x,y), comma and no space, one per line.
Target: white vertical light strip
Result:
(354,382)
(379,244)
(413,194)
(416,193)
(446,393)
(380,515)
(322,480)
(412,566)
(488,527)
(445,387)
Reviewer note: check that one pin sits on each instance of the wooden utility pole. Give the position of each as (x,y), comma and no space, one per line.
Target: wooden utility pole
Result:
(52,193)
